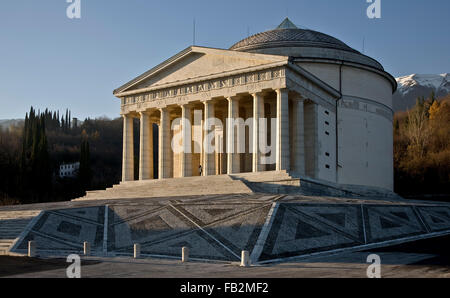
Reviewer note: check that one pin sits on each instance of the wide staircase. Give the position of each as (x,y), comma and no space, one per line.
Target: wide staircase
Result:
(274,182)
(12,223)
(187,186)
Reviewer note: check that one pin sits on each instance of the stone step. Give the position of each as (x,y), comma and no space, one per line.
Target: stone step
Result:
(12,224)
(8,233)
(263,176)
(4,245)
(263,182)
(12,221)
(159,187)
(272,181)
(17,215)
(188,186)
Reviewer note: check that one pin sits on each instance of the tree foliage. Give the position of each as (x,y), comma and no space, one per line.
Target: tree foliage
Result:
(30,156)
(422,147)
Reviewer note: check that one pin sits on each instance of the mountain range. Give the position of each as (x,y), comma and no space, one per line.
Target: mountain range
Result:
(6,123)
(412,86)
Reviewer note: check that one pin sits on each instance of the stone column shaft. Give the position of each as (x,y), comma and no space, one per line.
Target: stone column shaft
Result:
(282,137)
(128,149)
(232,156)
(258,113)
(209,165)
(146,148)
(186,136)
(164,145)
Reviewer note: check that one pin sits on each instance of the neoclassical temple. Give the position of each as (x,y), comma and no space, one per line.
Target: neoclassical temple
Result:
(331,108)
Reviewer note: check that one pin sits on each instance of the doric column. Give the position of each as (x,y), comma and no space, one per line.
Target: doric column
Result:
(298,139)
(258,113)
(128,149)
(232,156)
(146,148)
(282,137)
(209,165)
(186,137)
(164,145)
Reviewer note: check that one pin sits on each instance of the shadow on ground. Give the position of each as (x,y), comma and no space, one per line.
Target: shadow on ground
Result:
(10,266)
(437,248)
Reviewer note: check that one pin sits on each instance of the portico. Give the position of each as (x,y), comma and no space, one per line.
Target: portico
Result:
(225,111)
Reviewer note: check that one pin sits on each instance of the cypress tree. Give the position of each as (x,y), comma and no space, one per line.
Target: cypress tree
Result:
(85,173)
(35,166)
(66,127)
(43,168)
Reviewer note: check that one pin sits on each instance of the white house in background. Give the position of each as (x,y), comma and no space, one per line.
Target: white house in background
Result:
(69,170)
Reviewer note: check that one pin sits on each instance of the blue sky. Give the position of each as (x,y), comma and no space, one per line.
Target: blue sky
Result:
(48,60)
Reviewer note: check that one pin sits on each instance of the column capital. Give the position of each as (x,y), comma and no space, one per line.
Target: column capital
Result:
(211,101)
(281,90)
(143,113)
(255,94)
(185,105)
(231,98)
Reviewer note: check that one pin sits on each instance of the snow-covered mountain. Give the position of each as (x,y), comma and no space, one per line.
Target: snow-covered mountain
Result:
(415,85)
(6,123)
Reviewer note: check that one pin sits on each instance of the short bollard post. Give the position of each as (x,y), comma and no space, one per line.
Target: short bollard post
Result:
(185,254)
(137,250)
(87,248)
(31,249)
(245,259)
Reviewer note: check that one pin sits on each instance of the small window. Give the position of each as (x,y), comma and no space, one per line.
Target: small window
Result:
(327,123)
(327,154)
(326,112)
(327,166)
(327,133)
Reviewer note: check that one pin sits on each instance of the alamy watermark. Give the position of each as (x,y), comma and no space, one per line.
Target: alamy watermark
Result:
(374,9)
(374,269)
(214,134)
(73,11)
(74,269)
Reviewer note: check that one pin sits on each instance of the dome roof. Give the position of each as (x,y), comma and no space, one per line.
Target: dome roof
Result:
(289,35)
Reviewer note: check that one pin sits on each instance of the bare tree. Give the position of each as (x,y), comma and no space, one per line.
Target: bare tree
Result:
(417,130)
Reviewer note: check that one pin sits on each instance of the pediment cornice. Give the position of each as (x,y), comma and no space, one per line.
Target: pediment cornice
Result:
(262,60)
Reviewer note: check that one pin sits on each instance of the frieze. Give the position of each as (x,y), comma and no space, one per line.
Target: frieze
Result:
(207,86)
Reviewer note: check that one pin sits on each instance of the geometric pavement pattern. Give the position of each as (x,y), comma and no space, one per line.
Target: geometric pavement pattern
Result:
(220,230)
(66,230)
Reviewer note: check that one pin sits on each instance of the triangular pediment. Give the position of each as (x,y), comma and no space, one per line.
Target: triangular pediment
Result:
(198,63)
